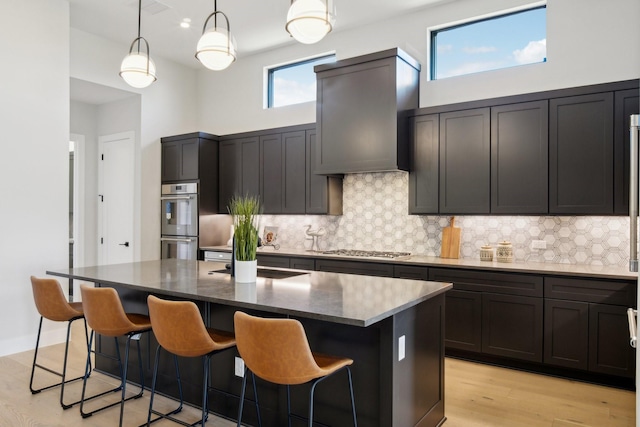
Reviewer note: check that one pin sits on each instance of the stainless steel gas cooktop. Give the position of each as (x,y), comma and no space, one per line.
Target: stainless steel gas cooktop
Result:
(371,254)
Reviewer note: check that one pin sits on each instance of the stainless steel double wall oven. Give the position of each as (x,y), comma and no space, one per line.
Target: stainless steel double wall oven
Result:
(179,208)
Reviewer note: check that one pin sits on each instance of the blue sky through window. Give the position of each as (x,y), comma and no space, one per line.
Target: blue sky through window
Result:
(501,42)
(295,83)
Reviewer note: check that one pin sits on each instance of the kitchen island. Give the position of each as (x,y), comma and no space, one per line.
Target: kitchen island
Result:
(393,329)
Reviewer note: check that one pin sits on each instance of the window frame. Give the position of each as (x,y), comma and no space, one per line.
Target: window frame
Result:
(269,72)
(434,30)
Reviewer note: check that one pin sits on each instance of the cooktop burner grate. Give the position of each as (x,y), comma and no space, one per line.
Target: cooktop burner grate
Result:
(372,254)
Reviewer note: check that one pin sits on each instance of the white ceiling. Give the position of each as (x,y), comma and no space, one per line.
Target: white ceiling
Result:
(257,25)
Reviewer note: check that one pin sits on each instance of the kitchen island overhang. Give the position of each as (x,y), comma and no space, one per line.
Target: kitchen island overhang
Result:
(392,328)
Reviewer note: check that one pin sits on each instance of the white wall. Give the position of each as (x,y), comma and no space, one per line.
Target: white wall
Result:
(167,107)
(34,166)
(588,42)
(84,121)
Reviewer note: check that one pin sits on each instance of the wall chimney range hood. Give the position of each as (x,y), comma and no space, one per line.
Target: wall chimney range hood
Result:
(362,106)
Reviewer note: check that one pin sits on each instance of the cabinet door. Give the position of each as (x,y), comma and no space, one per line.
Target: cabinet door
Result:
(180,160)
(323,193)
(519,158)
(294,180)
(250,166)
(423,175)
(316,199)
(609,349)
(566,333)
(581,154)
(229,169)
(463,320)
(272,173)
(626,104)
(465,161)
(512,326)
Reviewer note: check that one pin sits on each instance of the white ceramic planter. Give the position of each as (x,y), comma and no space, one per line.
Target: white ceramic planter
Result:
(246,271)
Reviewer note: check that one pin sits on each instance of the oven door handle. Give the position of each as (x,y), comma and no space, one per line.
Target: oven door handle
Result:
(175,239)
(176,197)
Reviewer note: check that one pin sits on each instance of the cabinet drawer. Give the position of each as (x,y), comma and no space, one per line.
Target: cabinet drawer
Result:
(591,290)
(273,261)
(500,283)
(302,263)
(410,272)
(355,267)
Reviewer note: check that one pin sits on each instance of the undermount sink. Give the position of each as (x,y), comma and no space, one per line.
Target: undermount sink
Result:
(267,273)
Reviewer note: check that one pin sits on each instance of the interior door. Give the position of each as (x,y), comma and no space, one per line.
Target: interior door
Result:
(116,198)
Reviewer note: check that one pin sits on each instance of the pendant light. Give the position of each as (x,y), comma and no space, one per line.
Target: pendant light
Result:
(216,48)
(137,68)
(308,21)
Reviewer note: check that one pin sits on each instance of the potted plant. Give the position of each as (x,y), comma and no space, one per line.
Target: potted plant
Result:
(245,211)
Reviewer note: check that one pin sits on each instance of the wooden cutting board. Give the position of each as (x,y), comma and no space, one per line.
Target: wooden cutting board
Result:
(450,241)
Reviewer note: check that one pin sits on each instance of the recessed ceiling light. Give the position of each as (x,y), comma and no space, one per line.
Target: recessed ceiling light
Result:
(186,23)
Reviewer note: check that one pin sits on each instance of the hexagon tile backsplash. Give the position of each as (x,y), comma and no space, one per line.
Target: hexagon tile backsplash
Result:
(375,217)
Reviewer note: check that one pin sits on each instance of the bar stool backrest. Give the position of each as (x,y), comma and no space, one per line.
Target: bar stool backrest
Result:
(51,302)
(104,312)
(179,328)
(276,350)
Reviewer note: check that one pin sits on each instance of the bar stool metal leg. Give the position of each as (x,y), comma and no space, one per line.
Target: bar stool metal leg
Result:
(123,377)
(153,391)
(62,374)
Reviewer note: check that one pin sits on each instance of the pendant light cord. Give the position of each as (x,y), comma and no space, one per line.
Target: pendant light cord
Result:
(215,17)
(139,22)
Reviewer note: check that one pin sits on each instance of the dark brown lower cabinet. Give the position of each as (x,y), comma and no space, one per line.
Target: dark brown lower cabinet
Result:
(609,349)
(566,333)
(589,337)
(463,320)
(512,326)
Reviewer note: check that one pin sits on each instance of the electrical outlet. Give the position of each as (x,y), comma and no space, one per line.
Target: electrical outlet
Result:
(239,367)
(401,348)
(538,244)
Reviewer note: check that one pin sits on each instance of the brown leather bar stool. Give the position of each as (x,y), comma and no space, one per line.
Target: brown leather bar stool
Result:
(180,330)
(277,350)
(52,305)
(106,316)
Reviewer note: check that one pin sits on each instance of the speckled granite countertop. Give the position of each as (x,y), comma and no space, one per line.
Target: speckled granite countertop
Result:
(576,270)
(339,298)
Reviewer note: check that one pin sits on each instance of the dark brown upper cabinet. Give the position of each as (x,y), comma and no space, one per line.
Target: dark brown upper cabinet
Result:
(465,158)
(519,158)
(323,193)
(193,157)
(276,165)
(581,154)
(239,169)
(425,158)
(361,112)
(283,184)
(625,104)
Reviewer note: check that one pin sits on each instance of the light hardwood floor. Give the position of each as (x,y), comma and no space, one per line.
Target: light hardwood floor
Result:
(476,396)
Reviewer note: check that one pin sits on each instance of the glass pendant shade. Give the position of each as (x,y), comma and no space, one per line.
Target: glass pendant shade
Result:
(308,21)
(136,71)
(216,49)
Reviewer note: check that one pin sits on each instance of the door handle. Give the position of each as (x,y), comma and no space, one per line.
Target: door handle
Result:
(125,244)
(633,335)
